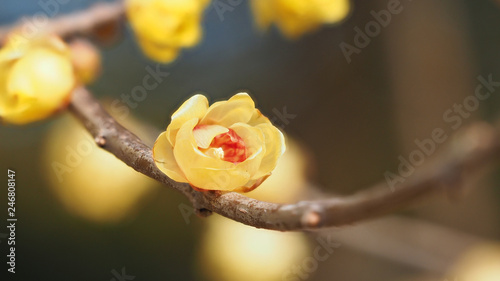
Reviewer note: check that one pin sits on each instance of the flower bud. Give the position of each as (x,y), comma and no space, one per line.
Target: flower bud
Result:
(86,60)
(163,27)
(228,146)
(36,78)
(296,17)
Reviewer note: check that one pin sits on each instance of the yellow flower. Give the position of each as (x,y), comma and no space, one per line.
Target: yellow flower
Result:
(71,162)
(478,262)
(296,17)
(36,78)
(163,27)
(228,146)
(232,251)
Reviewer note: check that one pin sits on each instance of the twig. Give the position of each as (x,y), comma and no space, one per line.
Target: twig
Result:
(473,148)
(78,22)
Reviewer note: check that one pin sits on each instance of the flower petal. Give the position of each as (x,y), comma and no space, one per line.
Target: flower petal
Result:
(204,134)
(238,108)
(332,11)
(158,52)
(254,141)
(258,118)
(163,155)
(189,156)
(252,184)
(203,171)
(275,147)
(195,107)
(216,179)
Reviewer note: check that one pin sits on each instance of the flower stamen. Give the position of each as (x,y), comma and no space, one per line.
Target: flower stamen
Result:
(233,147)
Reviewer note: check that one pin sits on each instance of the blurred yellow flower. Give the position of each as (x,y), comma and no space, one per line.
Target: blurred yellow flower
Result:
(297,17)
(36,78)
(480,262)
(228,146)
(231,251)
(163,27)
(89,181)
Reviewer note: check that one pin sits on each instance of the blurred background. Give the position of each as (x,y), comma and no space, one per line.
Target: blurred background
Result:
(83,215)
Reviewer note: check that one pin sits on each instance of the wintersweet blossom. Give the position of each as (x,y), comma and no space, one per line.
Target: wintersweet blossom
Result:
(228,146)
(297,17)
(163,27)
(36,78)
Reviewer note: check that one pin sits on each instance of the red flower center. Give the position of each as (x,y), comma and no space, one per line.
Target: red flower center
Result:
(232,145)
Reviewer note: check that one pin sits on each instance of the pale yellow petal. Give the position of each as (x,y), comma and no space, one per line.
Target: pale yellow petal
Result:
(332,11)
(215,179)
(163,155)
(252,184)
(238,108)
(254,141)
(275,147)
(255,144)
(187,33)
(194,107)
(294,17)
(50,75)
(206,133)
(189,156)
(158,52)
(237,177)
(201,170)
(258,118)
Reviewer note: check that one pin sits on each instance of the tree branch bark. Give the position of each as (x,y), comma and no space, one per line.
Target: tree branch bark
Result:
(472,149)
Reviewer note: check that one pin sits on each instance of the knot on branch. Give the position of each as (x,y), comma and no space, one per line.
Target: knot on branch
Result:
(203,212)
(100,141)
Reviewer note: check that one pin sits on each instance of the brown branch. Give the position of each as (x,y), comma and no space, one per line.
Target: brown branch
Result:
(80,22)
(472,149)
